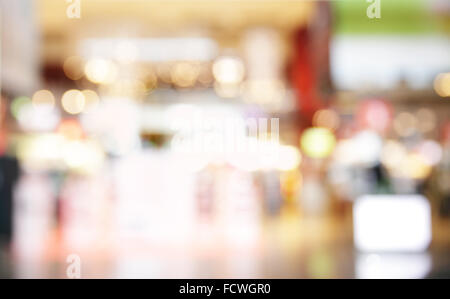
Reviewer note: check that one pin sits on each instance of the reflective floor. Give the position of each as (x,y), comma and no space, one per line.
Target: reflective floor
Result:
(311,248)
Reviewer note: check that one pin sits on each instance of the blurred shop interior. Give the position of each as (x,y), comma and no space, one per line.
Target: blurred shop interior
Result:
(225,139)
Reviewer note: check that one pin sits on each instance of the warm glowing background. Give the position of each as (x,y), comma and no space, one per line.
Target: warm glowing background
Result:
(114,127)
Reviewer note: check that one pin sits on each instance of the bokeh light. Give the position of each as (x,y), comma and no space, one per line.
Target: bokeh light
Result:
(184,74)
(228,70)
(431,152)
(393,153)
(73,101)
(43,98)
(74,67)
(101,71)
(318,142)
(442,84)
(326,118)
(92,100)
(426,119)
(405,124)
(375,115)
(235,139)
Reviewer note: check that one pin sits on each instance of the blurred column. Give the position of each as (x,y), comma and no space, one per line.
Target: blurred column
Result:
(263,54)
(34,219)
(19,47)
(309,70)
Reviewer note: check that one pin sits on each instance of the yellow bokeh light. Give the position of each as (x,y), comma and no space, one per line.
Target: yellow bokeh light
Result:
(73,67)
(73,101)
(442,85)
(101,71)
(415,167)
(82,156)
(228,70)
(205,75)
(317,142)
(91,99)
(393,153)
(43,98)
(184,74)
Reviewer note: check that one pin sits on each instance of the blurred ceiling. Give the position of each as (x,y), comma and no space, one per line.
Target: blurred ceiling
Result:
(169,14)
(222,19)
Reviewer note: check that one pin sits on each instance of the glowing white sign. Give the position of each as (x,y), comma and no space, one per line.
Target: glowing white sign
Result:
(392,223)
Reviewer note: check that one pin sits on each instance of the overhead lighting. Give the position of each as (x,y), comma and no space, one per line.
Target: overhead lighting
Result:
(151,49)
